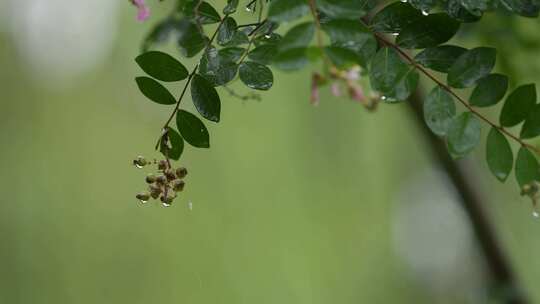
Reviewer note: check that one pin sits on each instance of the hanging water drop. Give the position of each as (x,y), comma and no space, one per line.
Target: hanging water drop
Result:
(267,36)
(395,34)
(248,9)
(425,13)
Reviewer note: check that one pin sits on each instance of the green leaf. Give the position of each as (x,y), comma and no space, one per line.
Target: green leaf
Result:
(272,38)
(518,105)
(428,31)
(499,155)
(394,17)
(239,38)
(191,41)
(218,66)
(490,90)
(423,5)
(455,10)
(527,8)
(205,98)
(354,36)
(231,53)
(531,127)
(289,60)
(226,32)
(263,54)
(256,76)
(439,111)
(231,7)
(391,76)
(192,129)
(341,57)
(299,36)
(174,145)
(162,66)
(472,66)
(154,91)
(205,12)
(527,168)
(463,134)
(440,58)
(287,10)
(345,9)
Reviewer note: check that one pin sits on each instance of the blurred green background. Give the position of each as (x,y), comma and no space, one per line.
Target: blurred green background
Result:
(292,203)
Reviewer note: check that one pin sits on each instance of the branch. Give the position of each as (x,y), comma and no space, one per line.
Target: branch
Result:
(471,200)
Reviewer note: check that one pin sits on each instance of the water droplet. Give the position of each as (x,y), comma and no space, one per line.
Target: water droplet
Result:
(536,214)
(138,166)
(395,34)
(404,1)
(143,201)
(425,13)
(383,97)
(166,204)
(248,9)
(267,36)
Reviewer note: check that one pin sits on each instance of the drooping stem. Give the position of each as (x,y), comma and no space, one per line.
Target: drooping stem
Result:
(445,87)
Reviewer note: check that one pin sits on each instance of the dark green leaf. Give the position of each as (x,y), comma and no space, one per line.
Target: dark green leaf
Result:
(439,111)
(256,75)
(345,9)
(239,38)
(354,36)
(263,54)
(395,17)
(391,76)
(463,134)
(490,90)
(472,66)
(293,59)
(191,41)
(205,98)
(531,127)
(272,38)
(192,129)
(226,31)
(217,68)
(341,57)
(231,7)
(428,31)
(162,66)
(423,5)
(287,10)
(440,58)
(154,91)
(518,105)
(499,155)
(231,53)
(455,10)
(299,36)
(527,8)
(173,146)
(205,13)
(527,168)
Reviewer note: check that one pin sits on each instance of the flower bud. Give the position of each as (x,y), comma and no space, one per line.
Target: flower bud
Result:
(140,162)
(162,165)
(150,178)
(181,172)
(170,175)
(178,185)
(161,180)
(143,197)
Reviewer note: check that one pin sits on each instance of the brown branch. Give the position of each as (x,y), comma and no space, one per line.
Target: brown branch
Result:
(471,200)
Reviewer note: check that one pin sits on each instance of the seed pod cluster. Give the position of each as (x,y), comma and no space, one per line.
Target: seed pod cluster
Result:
(164,185)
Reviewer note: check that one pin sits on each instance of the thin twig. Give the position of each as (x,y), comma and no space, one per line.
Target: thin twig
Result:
(451,92)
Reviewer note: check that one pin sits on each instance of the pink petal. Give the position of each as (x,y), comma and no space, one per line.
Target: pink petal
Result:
(143,14)
(336,90)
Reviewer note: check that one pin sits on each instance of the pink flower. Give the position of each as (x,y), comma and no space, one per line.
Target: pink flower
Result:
(357,93)
(336,90)
(143,10)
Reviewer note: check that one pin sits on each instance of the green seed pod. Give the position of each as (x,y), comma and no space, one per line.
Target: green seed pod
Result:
(181,172)
(150,178)
(140,162)
(162,165)
(161,180)
(170,175)
(155,191)
(178,185)
(143,197)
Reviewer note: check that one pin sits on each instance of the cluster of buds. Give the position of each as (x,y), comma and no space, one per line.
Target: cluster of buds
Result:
(349,79)
(164,185)
(532,190)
